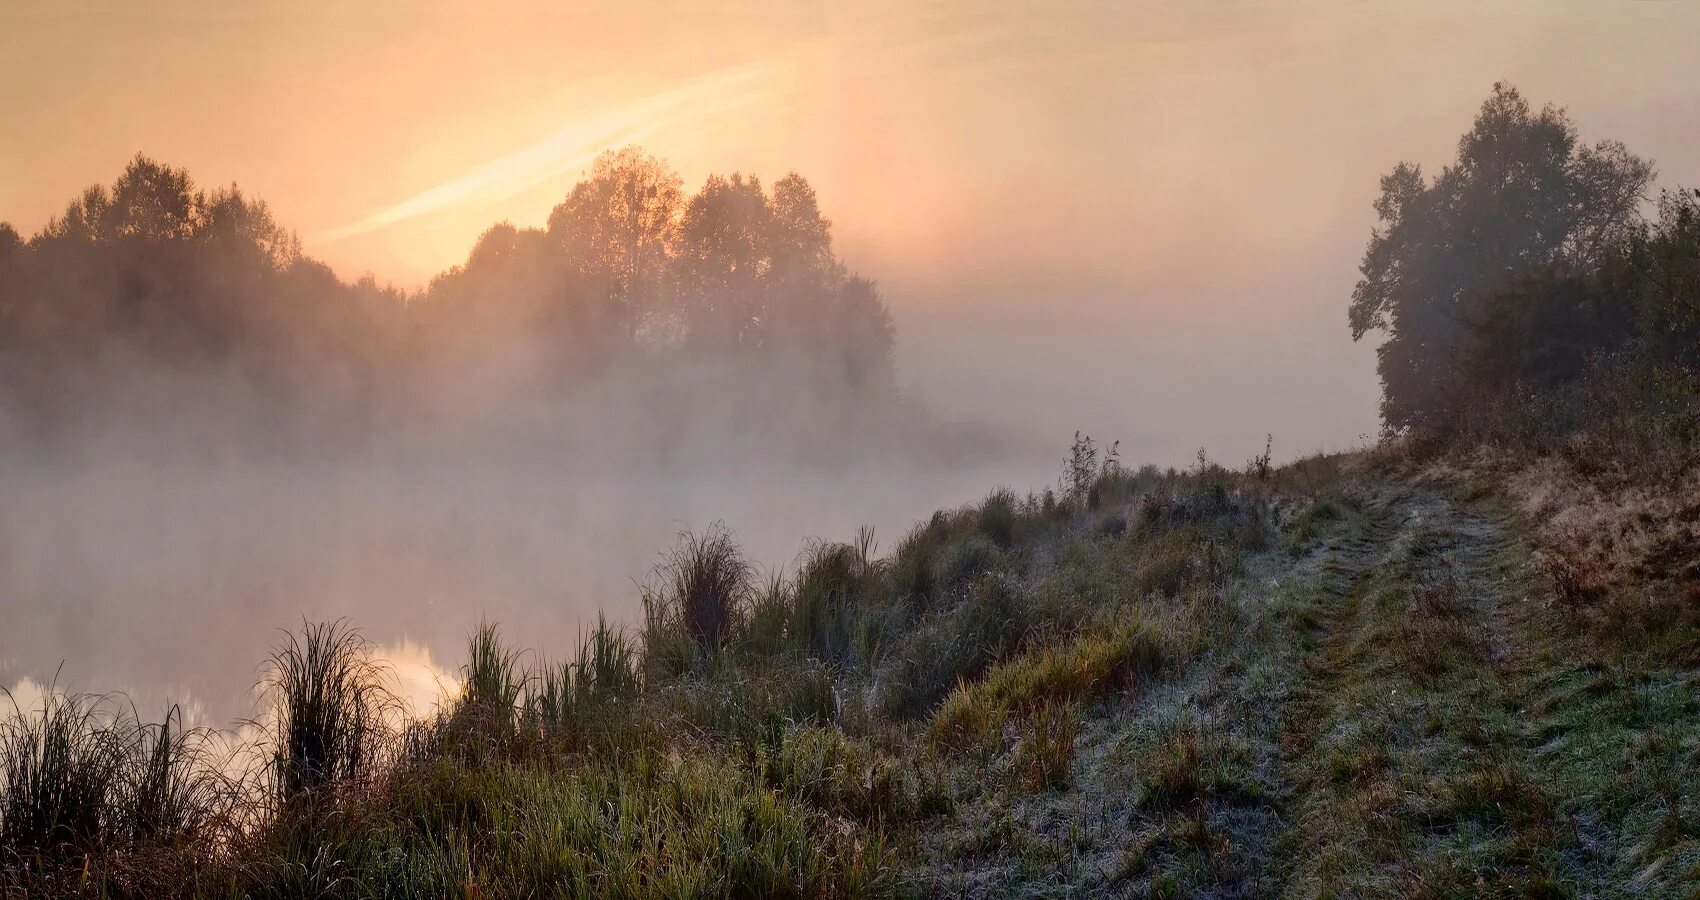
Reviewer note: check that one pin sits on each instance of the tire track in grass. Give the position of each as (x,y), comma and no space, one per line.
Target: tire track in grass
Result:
(1408,767)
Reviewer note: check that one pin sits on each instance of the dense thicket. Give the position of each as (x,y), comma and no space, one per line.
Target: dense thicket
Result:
(153,281)
(1533,293)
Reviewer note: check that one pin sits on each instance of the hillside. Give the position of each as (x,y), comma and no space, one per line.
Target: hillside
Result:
(1361,675)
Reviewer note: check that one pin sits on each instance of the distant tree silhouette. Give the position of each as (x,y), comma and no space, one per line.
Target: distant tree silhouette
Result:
(153,275)
(616,229)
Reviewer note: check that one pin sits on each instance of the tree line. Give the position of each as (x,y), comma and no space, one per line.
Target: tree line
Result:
(1536,292)
(154,274)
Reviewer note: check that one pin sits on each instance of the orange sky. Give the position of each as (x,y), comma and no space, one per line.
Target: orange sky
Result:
(1132,186)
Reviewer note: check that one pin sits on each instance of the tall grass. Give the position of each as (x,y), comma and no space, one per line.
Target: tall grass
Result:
(492,679)
(828,586)
(84,786)
(699,595)
(329,710)
(62,770)
(175,792)
(584,692)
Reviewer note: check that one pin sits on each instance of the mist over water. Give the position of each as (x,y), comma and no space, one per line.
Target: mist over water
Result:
(169,580)
(210,438)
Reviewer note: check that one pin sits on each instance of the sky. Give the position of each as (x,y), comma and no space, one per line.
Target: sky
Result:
(1138,218)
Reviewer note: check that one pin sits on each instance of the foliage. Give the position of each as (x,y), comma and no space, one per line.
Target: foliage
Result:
(1523,196)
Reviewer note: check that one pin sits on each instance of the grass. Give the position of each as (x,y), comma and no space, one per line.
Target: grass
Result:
(63,770)
(84,785)
(585,694)
(329,712)
(699,596)
(491,681)
(1045,748)
(1322,679)
(1052,677)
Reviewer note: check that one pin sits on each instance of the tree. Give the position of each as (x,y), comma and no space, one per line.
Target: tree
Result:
(725,257)
(1521,196)
(617,228)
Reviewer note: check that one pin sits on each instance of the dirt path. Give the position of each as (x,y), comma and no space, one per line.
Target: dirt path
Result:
(1406,762)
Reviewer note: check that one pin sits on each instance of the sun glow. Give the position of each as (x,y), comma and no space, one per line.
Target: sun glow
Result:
(573,146)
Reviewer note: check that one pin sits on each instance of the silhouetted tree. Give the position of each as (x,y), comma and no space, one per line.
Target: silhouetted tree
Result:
(616,230)
(208,290)
(1522,196)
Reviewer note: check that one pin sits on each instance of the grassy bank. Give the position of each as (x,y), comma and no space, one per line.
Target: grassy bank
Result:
(1351,676)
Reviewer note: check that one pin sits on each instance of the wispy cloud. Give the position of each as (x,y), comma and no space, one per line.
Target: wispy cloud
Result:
(573,146)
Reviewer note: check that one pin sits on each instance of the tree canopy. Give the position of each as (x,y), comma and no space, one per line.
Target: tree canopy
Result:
(1526,294)
(1523,195)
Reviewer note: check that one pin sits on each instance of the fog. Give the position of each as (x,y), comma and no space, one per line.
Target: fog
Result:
(1141,220)
(209,438)
(173,580)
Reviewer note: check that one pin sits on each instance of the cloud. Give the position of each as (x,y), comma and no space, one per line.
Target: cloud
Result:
(575,145)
